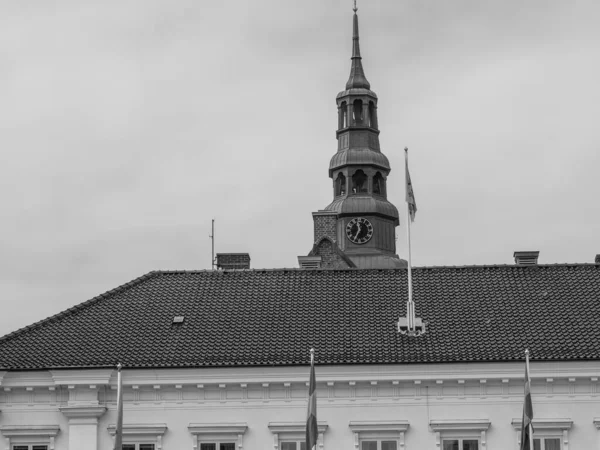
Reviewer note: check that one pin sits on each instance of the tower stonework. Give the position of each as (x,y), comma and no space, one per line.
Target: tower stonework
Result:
(365,221)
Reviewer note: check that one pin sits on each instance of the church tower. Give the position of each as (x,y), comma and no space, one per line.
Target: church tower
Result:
(357,229)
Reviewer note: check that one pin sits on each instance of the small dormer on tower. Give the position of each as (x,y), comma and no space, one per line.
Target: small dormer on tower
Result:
(365,219)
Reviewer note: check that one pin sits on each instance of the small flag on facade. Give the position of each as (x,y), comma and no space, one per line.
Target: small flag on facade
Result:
(410,194)
(119,427)
(312,432)
(526,424)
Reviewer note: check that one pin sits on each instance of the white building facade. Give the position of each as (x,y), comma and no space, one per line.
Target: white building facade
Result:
(379,407)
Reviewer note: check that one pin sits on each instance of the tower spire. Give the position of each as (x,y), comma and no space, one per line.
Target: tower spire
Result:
(357,74)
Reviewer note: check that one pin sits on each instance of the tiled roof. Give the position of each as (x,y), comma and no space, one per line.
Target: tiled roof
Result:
(273,317)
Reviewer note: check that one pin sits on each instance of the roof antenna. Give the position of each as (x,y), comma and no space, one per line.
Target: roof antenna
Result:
(212,237)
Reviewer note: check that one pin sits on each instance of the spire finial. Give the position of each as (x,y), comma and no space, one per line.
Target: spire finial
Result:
(357,74)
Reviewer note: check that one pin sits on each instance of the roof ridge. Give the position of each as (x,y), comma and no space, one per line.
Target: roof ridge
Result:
(510,266)
(79,306)
(298,269)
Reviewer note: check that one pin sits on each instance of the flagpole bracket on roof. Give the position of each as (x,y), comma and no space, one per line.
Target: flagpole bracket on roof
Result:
(419,327)
(411,325)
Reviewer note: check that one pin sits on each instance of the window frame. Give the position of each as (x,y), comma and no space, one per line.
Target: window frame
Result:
(28,446)
(218,433)
(460,429)
(547,428)
(543,438)
(295,432)
(379,430)
(141,433)
(460,440)
(137,444)
(218,443)
(30,435)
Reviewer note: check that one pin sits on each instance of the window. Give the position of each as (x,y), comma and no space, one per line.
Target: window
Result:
(30,447)
(340,184)
(357,111)
(372,115)
(292,435)
(378,184)
(460,444)
(359,182)
(379,435)
(460,434)
(343,120)
(546,444)
(217,446)
(549,434)
(142,436)
(218,436)
(378,445)
(292,445)
(30,437)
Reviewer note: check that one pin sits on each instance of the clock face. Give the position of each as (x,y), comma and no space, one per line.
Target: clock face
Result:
(359,230)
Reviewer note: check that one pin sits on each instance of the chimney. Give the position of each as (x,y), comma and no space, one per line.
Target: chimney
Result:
(526,258)
(597,260)
(231,261)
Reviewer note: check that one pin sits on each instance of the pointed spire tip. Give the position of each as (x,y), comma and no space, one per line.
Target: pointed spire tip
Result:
(355,8)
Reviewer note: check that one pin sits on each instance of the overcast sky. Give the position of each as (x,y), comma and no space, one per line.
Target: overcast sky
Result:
(126,126)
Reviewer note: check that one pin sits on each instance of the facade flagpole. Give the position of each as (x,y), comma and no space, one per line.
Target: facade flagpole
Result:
(530,425)
(119,426)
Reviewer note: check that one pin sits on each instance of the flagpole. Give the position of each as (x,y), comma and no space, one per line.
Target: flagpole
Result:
(530,425)
(410,310)
(312,429)
(119,427)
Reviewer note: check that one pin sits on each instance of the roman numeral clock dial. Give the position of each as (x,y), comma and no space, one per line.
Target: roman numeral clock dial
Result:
(359,230)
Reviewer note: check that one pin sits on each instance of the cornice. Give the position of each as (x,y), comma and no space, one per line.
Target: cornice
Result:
(546,424)
(459,425)
(82,412)
(354,373)
(361,426)
(148,429)
(82,376)
(218,428)
(11,431)
(29,379)
(294,427)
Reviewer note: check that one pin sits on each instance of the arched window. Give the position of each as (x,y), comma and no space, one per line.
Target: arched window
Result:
(343,116)
(359,182)
(372,115)
(340,184)
(378,184)
(357,111)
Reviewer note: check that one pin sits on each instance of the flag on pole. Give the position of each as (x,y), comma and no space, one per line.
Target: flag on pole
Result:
(410,195)
(119,427)
(312,432)
(526,425)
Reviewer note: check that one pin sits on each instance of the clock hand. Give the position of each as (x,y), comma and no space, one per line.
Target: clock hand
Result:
(358,232)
